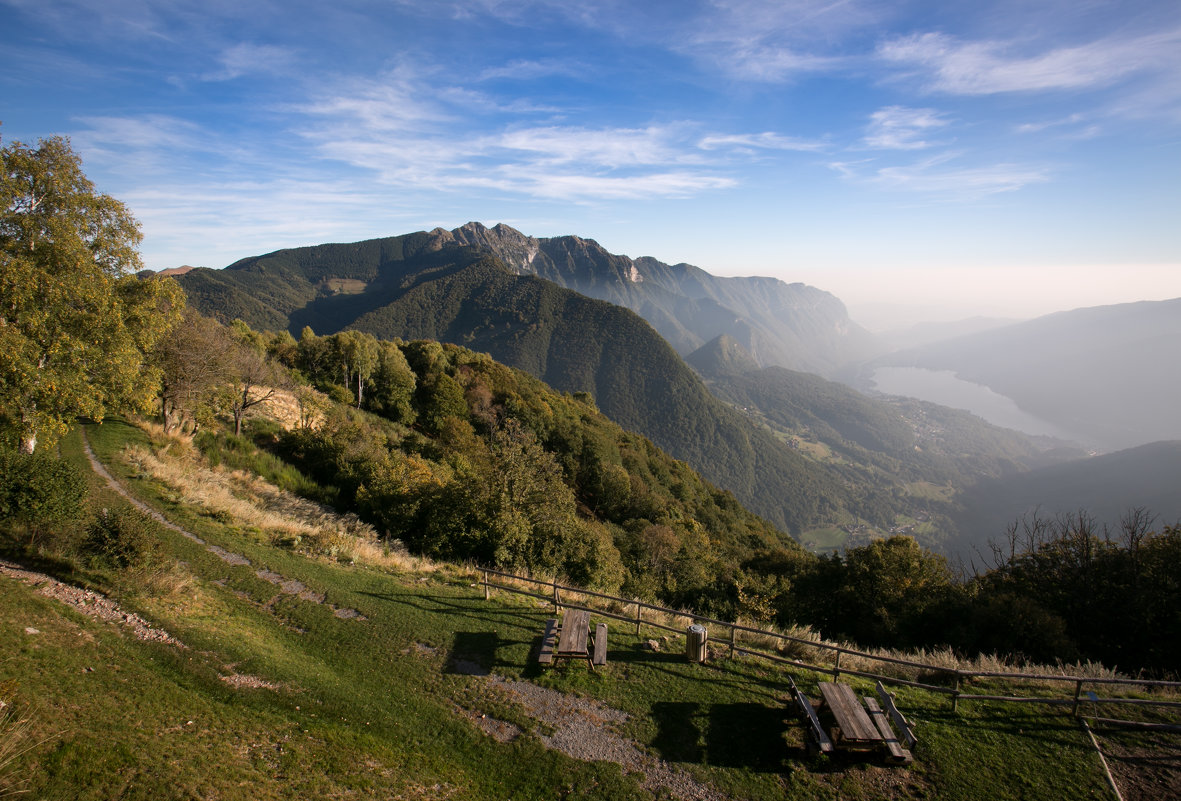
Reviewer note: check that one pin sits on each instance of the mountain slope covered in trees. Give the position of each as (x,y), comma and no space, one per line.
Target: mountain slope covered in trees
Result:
(575,344)
(427,286)
(790,325)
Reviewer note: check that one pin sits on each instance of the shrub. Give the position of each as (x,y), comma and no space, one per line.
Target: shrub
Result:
(39,489)
(123,537)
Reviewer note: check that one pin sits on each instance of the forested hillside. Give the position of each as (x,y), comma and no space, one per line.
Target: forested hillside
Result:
(426,285)
(572,342)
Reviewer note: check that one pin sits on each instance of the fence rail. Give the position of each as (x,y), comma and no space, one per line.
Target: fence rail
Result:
(954,678)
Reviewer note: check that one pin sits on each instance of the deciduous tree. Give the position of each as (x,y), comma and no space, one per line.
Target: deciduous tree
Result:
(76,322)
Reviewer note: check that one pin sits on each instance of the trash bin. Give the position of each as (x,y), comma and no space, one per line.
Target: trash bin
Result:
(695,643)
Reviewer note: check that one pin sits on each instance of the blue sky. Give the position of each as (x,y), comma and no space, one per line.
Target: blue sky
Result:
(920,160)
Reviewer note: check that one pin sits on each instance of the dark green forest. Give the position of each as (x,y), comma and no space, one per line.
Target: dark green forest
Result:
(404,288)
(463,458)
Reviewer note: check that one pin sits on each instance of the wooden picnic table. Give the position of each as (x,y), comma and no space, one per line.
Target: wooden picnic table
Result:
(571,639)
(852,728)
(575,633)
(851,724)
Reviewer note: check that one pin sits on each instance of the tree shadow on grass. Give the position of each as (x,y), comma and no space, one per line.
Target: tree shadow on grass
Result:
(746,735)
(734,735)
(473,653)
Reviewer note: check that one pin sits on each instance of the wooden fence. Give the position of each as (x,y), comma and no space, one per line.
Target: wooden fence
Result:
(952,680)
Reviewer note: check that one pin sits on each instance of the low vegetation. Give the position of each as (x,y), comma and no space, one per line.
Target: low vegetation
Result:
(272,695)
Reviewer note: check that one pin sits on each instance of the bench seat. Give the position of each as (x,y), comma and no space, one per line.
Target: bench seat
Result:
(600,656)
(549,639)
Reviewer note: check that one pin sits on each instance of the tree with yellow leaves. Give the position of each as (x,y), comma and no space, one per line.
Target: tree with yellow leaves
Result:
(76,322)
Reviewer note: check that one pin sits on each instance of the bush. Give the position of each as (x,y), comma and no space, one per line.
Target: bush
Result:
(240,453)
(123,537)
(39,489)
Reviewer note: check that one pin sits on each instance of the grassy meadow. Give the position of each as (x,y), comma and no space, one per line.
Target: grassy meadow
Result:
(380,677)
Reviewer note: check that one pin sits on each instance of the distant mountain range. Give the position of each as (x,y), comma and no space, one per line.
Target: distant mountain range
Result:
(1107,487)
(1106,375)
(449,286)
(410,287)
(806,453)
(790,325)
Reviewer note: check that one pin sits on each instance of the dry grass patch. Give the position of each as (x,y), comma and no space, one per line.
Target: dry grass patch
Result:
(257,506)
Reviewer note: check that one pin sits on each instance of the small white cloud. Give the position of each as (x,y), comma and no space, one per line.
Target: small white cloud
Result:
(246,58)
(532,69)
(935,177)
(609,148)
(901,128)
(771,42)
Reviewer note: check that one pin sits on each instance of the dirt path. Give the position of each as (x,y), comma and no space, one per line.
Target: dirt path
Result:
(89,602)
(286,586)
(579,728)
(583,729)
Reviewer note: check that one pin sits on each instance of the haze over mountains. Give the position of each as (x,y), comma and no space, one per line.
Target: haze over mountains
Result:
(1106,376)
(808,454)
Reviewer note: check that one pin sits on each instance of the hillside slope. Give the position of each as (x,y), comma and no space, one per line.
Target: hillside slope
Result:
(430,691)
(574,343)
(1106,487)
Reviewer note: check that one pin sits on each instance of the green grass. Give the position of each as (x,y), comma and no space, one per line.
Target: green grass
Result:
(375,708)
(821,540)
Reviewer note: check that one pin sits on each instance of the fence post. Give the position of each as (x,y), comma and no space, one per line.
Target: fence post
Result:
(557,600)
(487,591)
(637,600)
(1078,691)
(836,668)
(733,632)
(955,698)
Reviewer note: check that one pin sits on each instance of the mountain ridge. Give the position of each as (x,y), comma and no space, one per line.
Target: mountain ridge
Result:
(792,325)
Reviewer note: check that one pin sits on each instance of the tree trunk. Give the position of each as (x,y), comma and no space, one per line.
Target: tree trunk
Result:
(28,443)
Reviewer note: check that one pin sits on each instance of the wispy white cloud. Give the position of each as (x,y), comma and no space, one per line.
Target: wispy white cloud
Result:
(150,136)
(980,68)
(601,148)
(760,141)
(939,178)
(532,69)
(1061,122)
(901,128)
(770,42)
(396,101)
(441,140)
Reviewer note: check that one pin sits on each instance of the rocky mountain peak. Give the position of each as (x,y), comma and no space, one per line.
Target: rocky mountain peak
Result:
(514,248)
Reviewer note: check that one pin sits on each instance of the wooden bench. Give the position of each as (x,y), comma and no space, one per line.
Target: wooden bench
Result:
(818,737)
(600,657)
(549,639)
(906,731)
(894,751)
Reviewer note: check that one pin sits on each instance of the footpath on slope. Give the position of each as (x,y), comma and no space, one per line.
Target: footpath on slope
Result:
(580,728)
(286,585)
